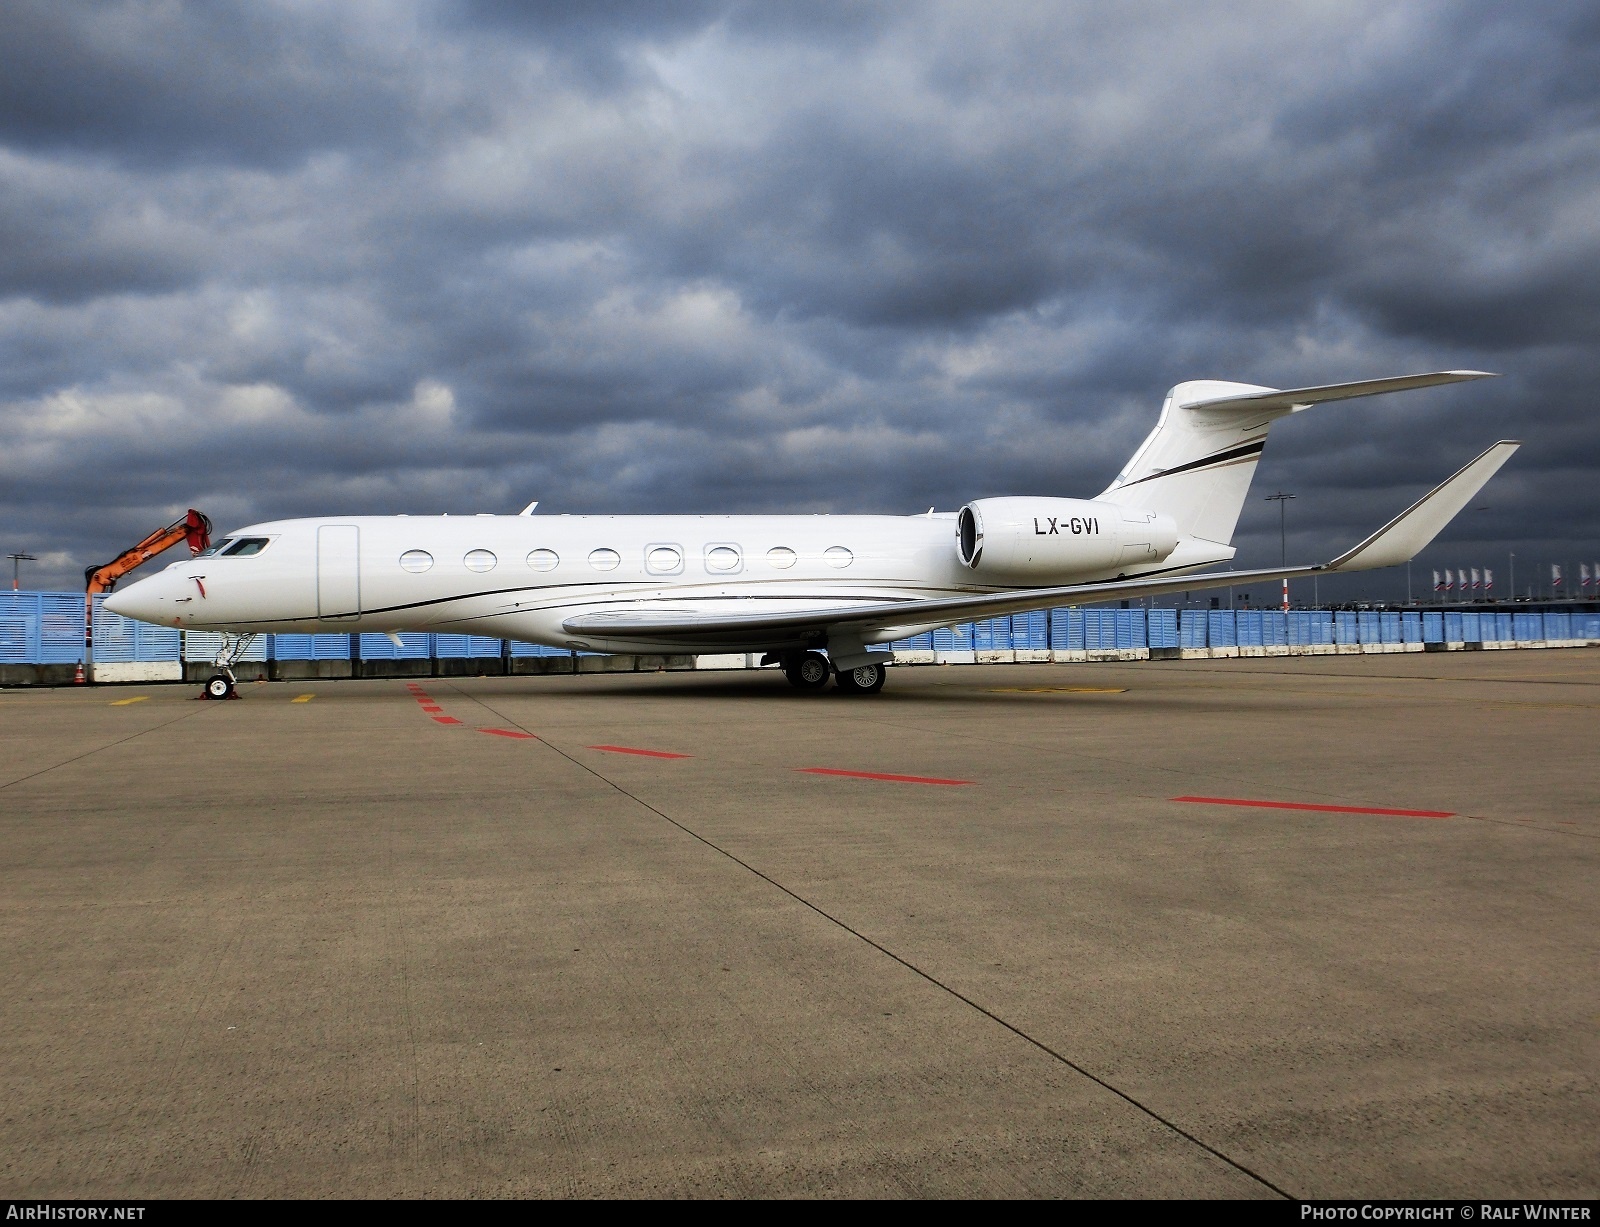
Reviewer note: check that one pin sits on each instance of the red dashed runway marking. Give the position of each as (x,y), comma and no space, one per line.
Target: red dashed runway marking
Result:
(510,733)
(878,775)
(444,720)
(1321,809)
(644,753)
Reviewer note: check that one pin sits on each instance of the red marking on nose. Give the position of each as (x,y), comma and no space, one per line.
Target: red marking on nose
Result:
(1321,809)
(445,720)
(878,775)
(644,753)
(510,733)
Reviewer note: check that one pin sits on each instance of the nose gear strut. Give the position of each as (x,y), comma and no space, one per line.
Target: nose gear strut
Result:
(220,685)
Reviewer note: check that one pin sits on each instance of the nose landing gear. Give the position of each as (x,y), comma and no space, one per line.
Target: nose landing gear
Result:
(220,685)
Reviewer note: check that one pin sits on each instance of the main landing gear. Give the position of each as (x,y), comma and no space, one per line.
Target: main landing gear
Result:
(807,670)
(220,685)
(811,670)
(864,679)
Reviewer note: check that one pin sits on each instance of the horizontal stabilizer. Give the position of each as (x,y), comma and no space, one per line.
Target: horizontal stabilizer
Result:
(1403,537)
(1293,398)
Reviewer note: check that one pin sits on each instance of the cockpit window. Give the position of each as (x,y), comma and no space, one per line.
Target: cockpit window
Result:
(244,546)
(215,549)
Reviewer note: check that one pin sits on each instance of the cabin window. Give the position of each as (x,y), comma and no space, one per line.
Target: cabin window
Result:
(480,560)
(543,560)
(723,559)
(781,557)
(245,546)
(416,561)
(605,560)
(663,559)
(838,557)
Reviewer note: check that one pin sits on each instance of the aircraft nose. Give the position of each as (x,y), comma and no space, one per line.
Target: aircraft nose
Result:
(141,601)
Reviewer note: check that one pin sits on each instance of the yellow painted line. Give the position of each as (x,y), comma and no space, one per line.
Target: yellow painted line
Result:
(124,702)
(302,698)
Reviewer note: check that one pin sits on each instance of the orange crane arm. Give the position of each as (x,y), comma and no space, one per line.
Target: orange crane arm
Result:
(194,528)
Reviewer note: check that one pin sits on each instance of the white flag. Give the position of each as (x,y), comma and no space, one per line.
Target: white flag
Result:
(1488,580)
(1555,575)
(1449,581)
(1477,579)
(1438,584)
(1583,575)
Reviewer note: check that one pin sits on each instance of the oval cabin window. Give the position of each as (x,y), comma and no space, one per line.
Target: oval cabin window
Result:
(781,557)
(838,557)
(722,558)
(543,560)
(605,560)
(663,560)
(416,561)
(479,560)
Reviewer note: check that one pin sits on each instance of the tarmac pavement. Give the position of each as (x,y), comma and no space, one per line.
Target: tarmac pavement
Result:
(426,939)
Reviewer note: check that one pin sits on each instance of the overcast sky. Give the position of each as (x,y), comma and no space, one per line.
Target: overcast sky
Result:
(281,259)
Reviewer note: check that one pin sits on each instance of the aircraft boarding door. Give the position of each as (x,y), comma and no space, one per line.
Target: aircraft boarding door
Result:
(338,571)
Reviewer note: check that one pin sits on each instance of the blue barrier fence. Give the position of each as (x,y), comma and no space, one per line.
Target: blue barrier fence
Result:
(39,628)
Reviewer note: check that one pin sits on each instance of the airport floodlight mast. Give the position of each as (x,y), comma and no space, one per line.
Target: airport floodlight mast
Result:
(17,560)
(1282,500)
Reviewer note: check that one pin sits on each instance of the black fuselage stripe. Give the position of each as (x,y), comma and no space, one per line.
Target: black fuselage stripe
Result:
(1235,453)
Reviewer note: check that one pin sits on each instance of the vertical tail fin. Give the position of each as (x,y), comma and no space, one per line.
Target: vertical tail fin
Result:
(1197,464)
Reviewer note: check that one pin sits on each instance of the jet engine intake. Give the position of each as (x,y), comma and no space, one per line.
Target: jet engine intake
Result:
(1052,540)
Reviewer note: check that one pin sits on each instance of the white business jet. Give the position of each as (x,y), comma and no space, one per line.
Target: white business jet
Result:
(793,586)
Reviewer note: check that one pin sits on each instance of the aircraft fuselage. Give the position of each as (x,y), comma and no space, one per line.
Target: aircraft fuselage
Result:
(519,576)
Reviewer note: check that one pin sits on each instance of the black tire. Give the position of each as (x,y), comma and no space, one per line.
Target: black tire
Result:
(808,671)
(867,679)
(218,687)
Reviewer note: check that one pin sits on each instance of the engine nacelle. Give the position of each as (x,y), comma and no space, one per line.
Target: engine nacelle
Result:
(1046,540)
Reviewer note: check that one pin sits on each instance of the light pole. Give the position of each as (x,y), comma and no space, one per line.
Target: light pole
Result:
(16,560)
(1282,500)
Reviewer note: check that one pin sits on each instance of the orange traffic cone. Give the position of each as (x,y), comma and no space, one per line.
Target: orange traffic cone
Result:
(77,675)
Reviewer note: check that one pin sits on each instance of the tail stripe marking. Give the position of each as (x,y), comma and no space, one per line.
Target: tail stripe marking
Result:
(1232,454)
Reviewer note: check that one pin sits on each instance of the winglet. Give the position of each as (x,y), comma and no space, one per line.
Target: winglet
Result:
(1403,537)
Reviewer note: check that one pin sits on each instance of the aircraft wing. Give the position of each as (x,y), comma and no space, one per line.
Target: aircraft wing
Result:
(1396,542)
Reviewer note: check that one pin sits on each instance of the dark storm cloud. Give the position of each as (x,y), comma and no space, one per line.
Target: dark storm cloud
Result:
(218,82)
(273,259)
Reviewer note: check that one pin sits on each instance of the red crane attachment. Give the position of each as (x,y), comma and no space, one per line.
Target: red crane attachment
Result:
(195,528)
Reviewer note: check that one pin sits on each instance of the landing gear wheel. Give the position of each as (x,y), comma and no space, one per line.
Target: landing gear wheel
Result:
(219,686)
(867,679)
(808,671)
